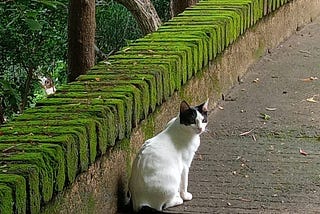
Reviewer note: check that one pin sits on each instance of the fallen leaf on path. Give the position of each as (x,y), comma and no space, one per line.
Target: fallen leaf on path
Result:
(303,152)
(305,52)
(245,199)
(220,107)
(246,133)
(254,137)
(312,100)
(256,80)
(309,79)
(265,116)
(270,109)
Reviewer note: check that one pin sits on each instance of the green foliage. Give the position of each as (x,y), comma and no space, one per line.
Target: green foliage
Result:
(163,9)
(9,98)
(33,42)
(115,26)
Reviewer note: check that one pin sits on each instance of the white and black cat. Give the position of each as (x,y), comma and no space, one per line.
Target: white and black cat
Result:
(159,177)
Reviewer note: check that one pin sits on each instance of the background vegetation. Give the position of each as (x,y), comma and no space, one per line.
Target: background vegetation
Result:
(33,43)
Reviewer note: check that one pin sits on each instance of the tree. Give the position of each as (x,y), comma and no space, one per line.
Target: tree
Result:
(178,6)
(144,13)
(81,37)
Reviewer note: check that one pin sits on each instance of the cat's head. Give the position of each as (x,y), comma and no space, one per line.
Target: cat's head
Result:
(194,117)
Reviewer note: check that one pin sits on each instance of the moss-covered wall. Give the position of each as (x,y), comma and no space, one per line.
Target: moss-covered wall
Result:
(43,150)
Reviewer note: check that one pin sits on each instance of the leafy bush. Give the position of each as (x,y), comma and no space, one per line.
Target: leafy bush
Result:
(115,26)
(33,43)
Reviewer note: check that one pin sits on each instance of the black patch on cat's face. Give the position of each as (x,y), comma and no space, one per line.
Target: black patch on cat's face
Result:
(188,117)
(202,112)
(188,114)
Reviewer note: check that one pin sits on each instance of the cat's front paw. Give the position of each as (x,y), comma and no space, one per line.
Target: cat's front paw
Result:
(187,196)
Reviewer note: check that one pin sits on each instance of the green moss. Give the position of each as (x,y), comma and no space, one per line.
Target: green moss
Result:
(143,82)
(46,171)
(145,49)
(79,133)
(6,199)
(219,42)
(91,204)
(31,175)
(98,89)
(53,155)
(196,44)
(117,106)
(176,60)
(236,24)
(224,23)
(152,77)
(161,67)
(102,115)
(239,11)
(124,145)
(199,39)
(173,63)
(260,51)
(256,7)
(67,142)
(195,30)
(18,186)
(148,128)
(245,6)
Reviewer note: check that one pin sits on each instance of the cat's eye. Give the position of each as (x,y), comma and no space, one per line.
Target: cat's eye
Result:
(204,121)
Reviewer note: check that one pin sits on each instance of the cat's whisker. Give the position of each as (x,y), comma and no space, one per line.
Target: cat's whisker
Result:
(206,130)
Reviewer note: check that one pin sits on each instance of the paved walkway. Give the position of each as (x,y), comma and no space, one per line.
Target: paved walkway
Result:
(262,151)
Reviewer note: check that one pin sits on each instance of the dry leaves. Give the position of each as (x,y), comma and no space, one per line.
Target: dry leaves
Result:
(249,133)
(304,153)
(270,109)
(246,133)
(312,99)
(256,80)
(220,107)
(309,79)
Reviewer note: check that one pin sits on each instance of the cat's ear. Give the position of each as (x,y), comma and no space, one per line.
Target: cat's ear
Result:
(204,106)
(184,106)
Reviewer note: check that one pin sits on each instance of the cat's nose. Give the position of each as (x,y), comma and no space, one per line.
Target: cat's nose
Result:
(199,130)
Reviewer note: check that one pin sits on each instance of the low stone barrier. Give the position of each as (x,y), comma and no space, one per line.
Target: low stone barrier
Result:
(61,152)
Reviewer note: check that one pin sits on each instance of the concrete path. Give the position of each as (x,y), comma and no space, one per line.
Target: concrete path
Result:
(262,151)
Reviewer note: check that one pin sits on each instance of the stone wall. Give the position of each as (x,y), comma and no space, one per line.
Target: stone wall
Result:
(72,152)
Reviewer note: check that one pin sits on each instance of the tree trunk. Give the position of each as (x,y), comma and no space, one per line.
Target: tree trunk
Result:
(178,6)
(1,112)
(24,96)
(81,34)
(144,13)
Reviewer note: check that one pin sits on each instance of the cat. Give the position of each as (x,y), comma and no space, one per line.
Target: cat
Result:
(48,85)
(159,176)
